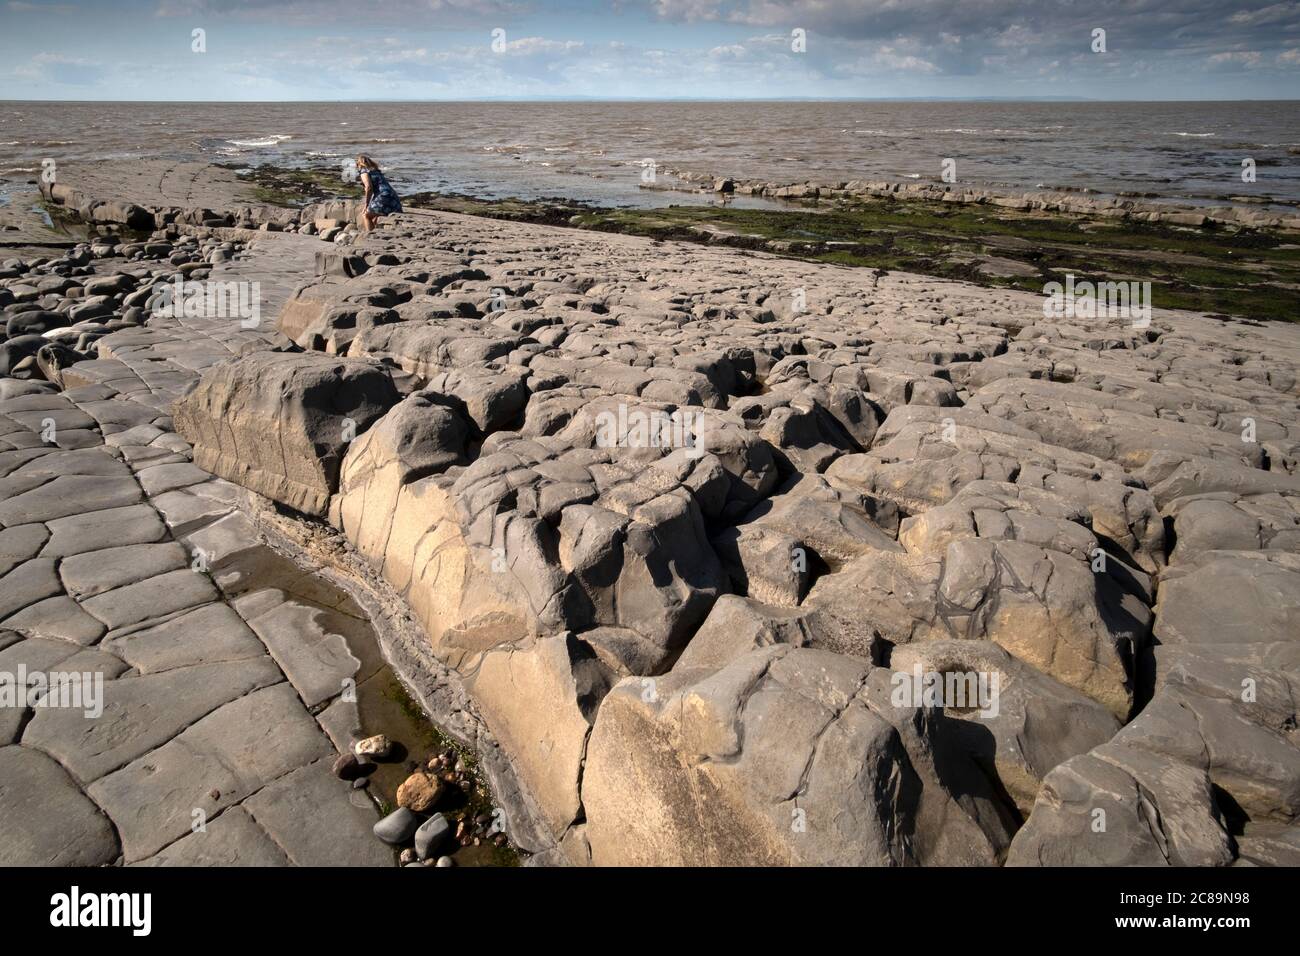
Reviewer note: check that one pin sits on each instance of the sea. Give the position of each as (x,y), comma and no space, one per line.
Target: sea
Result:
(599,152)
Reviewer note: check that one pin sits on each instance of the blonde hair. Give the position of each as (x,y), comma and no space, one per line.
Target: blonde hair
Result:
(365,162)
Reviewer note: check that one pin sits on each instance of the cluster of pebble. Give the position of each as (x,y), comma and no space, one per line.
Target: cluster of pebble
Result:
(438,804)
(55,308)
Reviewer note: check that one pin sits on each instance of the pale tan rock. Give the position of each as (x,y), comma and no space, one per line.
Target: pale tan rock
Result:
(419,792)
(539,702)
(786,756)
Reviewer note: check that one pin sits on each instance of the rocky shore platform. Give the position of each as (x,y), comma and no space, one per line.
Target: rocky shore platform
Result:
(1272,213)
(699,549)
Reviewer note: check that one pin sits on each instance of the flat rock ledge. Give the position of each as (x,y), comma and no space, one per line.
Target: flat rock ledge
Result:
(679,519)
(1069,202)
(223,665)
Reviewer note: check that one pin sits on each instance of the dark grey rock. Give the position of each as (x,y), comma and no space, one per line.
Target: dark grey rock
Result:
(398,827)
(430,835)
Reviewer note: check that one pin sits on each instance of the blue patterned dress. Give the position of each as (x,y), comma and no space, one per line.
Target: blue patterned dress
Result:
(383,201)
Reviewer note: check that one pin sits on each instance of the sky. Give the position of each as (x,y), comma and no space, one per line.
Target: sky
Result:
(262,50)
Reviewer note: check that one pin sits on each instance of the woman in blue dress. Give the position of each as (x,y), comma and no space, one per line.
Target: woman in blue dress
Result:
(380,198)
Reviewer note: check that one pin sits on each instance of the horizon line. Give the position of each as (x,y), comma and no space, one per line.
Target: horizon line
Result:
(684,99)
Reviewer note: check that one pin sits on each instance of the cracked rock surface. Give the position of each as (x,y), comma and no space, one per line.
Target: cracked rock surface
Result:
(121,560)
(680,542)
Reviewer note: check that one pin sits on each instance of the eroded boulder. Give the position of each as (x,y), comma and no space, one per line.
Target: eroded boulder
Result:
(1044,607)
(280,423)
(1019,723)
(1117,806)
(786,756)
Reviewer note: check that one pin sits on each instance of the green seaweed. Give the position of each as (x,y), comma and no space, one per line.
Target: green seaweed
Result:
(1252,273)
(292,187)
(1233,270)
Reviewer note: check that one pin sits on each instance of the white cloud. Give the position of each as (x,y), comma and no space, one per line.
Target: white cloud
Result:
(535,45)
(59,69)
(886,61)
(441,13)
(1275,13)
(1250,59)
